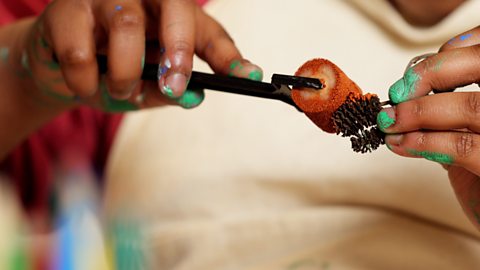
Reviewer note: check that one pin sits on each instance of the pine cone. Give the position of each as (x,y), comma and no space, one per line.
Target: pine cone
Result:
(357,118)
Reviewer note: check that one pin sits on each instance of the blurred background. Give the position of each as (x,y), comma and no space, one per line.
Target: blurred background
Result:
(244,183)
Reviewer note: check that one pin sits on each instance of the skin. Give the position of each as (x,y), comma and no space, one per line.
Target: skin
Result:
(425,13)
(444,127)
(36,87)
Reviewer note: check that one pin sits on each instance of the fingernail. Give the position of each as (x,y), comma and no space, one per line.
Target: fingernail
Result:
(175,84)
(394,140)
(386,119)
(191,98)
(111,104)
(402,90)
(397,91)
(124,92)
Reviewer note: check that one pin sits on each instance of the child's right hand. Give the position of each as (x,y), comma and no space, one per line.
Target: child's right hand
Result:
(75,31)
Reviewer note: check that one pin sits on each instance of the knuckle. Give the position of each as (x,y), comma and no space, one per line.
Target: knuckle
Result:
(472,106)
(421,141)
(127,19)
(418,109)
(464,145)
(182,46)
(76,57)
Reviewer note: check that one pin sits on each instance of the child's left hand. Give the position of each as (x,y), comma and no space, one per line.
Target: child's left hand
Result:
(444,127)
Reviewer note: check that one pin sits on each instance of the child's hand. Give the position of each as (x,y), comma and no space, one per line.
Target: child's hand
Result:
(130,33)
(444,127)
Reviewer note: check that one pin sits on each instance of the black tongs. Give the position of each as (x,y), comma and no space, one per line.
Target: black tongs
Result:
(279,88)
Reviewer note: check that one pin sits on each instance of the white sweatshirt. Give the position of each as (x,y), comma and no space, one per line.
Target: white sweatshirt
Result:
(246,183)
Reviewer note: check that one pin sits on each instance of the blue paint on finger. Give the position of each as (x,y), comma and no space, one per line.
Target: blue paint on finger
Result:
(118,7)
(465,37)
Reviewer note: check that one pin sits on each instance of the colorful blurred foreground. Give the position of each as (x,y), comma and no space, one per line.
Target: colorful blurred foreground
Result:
(79,237)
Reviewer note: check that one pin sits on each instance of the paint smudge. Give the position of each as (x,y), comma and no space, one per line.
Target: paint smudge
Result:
(236,64)
(465,37)
(255,75)
(384,120)
(167,90)
(43,43)
(432,156)
(163,69)
(439,64)
(4,55)
(46,90)
(112,105)
(25,62)
(118,7)
(190,99)
(472,206)
(401,90)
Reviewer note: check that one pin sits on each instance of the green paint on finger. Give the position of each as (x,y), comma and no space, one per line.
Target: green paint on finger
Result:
(405,87)
(48,91)
(236,64)
(4,55)
(255,75)
(439,64)
(112,105)
(436,157)
(44,43)
(190,99)
(167,90)
(384,120)
(52,65)
(25,63)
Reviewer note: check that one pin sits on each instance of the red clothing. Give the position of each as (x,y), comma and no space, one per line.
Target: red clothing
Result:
(82,135)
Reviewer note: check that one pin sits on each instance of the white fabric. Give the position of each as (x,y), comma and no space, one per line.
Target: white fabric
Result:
(245,183)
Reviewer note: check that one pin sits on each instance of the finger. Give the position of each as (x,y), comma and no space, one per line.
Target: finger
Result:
(177,31)
(443,71)
(150,97)
(467,189)
(124,22)
(447,111)
(69,27)
(217,48)
(450,148)
(466,39)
